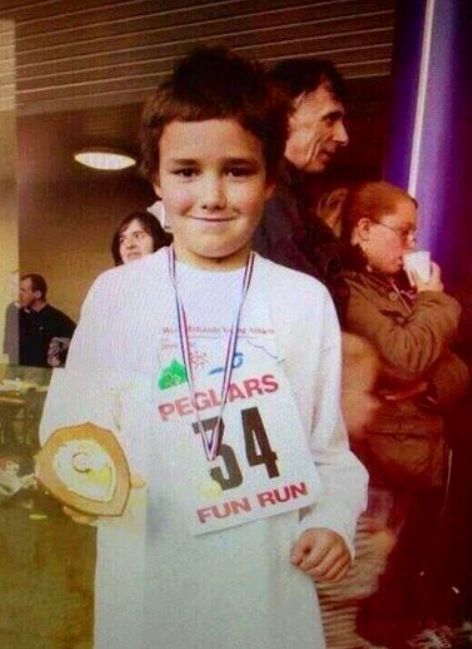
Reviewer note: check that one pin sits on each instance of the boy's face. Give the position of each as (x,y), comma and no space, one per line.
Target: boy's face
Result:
(212,181)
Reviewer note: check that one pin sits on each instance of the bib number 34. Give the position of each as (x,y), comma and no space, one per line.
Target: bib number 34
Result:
(257,446)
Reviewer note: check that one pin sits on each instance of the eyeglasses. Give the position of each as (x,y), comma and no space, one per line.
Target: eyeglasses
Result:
(406,235)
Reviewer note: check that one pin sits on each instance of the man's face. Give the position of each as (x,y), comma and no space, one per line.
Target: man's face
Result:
(27,296)
(316,130)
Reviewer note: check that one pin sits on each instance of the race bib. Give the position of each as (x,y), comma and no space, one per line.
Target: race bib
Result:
(264,466)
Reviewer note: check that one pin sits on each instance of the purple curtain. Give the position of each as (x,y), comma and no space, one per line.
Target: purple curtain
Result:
(430,147)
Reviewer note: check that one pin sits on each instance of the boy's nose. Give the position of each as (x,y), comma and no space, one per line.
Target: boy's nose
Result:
(213,195)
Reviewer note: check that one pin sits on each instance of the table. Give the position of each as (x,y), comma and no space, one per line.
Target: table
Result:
(21,405)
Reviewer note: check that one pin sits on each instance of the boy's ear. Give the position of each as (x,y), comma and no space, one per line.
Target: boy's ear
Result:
(157,187)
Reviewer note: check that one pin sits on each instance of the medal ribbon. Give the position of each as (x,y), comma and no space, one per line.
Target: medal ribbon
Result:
(212,444)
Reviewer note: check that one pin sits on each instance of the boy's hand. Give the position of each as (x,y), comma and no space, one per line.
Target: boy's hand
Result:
(136,482)
(322,554)
(79,517)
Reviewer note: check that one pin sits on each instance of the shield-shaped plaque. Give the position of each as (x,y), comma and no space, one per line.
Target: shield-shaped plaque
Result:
(85,468)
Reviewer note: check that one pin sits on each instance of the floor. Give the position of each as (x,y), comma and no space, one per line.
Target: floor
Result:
(46,571)
(47,561)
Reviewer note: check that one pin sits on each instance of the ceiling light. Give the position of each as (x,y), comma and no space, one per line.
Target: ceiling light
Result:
(104,159)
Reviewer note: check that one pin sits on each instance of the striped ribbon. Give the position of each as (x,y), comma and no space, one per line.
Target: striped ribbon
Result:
(211,443)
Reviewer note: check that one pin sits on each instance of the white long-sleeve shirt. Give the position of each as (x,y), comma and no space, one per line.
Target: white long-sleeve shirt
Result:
(235,587)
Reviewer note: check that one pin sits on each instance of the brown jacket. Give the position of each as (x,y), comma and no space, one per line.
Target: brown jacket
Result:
(412,337)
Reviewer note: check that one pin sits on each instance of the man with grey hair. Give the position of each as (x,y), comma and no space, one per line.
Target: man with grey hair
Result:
(289,234)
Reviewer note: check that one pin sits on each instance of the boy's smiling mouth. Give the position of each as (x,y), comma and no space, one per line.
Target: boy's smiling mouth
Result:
(209,219)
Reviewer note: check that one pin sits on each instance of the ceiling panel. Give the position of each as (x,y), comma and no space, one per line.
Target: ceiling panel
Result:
(73,54)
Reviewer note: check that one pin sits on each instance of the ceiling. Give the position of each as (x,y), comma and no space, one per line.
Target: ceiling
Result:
(72,54)
(84,67)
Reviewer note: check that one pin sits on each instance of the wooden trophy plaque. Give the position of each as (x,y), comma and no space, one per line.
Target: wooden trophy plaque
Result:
(85,468)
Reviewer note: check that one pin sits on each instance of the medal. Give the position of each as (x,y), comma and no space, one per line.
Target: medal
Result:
(209,489)
(212,441)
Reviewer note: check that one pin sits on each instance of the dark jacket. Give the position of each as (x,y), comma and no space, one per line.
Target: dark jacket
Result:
(292,236)
(37,329)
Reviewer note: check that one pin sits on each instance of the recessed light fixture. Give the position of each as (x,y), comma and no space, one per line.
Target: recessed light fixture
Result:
(104,159)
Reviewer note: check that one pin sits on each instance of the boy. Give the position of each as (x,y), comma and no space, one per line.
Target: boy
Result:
(240,430)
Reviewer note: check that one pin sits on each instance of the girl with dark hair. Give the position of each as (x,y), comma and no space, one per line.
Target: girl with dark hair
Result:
(139,234)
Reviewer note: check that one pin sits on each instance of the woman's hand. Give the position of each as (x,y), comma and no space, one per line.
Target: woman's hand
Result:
(408,392)
(434,283)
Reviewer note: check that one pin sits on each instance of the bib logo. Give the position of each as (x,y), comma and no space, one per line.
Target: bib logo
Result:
(238,360)
(174,374)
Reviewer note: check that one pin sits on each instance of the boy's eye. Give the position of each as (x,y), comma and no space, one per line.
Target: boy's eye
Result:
(185,172)
(239,172)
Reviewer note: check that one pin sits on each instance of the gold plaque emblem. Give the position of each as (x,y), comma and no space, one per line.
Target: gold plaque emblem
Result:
(85,468)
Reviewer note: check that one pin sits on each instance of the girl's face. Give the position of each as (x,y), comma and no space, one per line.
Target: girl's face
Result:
(385,240)
(213,184)
(135,242)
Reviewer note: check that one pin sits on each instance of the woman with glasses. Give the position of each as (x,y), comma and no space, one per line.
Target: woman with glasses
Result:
(411,324)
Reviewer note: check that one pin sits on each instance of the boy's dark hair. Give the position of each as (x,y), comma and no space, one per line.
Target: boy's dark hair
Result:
(214,83)
(38,283)
(298,76)
(150,225)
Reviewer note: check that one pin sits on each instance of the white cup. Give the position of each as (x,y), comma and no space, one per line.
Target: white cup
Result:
(420,262)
